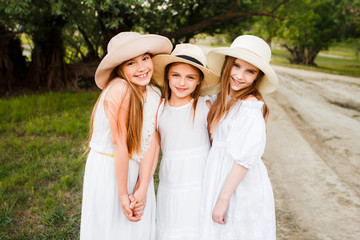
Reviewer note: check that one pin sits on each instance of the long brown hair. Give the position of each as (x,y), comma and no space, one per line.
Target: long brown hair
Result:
(136,106)
(194,95)
(221,106)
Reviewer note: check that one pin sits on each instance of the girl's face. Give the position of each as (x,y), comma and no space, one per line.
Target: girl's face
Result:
(139,70)
(183,80)
(242,75)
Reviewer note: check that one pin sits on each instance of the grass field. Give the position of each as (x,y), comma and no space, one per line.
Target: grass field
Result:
(41,144)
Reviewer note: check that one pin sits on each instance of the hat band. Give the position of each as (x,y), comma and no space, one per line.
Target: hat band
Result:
(194,60)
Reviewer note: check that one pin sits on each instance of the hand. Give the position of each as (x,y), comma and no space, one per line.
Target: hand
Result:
(219,211)
(140,195)
(136,207)
(125,206)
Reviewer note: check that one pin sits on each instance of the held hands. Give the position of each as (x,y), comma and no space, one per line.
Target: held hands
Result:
(136,206)
(219,211)
(138,202)
(128,212)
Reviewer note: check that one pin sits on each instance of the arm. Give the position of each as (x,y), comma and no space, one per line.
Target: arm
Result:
(145,172)
(116,106)
(245,146)
(237,173)
(138,207)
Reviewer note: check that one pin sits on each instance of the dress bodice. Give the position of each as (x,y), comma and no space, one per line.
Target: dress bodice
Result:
(101,140)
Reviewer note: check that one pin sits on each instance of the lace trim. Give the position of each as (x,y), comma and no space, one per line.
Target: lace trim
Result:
(150,108)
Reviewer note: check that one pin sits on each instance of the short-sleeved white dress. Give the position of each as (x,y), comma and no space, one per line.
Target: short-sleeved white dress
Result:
(101,213)
(239,139)
(185,146)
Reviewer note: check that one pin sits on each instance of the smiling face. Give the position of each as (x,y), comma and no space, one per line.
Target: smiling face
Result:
(139,70)
(183,80)
(242,75)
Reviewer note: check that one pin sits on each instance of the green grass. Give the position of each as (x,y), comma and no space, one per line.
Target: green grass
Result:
(41,145)
(42,139)
(341,66)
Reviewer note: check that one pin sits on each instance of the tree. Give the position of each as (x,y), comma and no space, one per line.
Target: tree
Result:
(75,31)
(312,25)
(181,20)
(12,62)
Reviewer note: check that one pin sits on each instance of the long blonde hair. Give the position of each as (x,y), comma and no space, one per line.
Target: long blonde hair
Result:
(194,95)
(221,106)
(136,106)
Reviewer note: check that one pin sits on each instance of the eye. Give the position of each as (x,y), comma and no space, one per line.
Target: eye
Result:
(130,63)
(251,71)
(146,57)
(236,65)
(175,75)
(192,78)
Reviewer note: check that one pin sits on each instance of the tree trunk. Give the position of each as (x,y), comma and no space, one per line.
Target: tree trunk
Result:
(310,55)
(297,54)
(48,70)
(12,62)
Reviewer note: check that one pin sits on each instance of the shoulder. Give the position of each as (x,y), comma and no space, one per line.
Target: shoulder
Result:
(251,102)
(204,103)
(251,98)
(118,89)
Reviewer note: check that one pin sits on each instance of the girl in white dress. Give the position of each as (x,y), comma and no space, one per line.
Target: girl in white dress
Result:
(238,200)
(123,145)
(185,143)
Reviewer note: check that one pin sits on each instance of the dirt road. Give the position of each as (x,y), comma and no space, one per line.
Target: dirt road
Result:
(313,155)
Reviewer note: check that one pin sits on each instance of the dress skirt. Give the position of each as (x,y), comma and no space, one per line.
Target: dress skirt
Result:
(101,213)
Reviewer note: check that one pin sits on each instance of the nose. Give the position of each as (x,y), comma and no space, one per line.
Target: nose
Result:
(141,67)
(239,75)
(182,81)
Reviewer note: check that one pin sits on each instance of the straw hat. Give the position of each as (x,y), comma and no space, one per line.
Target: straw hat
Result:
(184,53)
(125,46)
(251,49)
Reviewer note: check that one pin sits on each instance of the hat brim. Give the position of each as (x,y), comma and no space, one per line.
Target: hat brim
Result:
(162,60)
(216,58)
(149,43)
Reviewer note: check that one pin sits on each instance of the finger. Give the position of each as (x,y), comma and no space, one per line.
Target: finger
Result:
(139,208)
(127,211)
(139,203)
(132,204)
(131,197)
(139,214)
(134,218)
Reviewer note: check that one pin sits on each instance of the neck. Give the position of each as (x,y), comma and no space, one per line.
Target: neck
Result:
(178,102)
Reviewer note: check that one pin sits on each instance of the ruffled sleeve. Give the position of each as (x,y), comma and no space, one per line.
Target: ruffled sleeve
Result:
(247,137)
(211,98)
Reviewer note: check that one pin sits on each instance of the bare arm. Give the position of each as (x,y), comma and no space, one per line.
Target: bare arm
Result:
(237,173)
(116,108)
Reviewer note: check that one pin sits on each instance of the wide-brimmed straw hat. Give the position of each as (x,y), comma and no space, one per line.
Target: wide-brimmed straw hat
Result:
(125,46)
(251,49)
(184,53)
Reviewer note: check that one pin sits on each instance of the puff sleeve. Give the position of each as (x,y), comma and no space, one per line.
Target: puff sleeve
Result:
(247,136)
(211,98)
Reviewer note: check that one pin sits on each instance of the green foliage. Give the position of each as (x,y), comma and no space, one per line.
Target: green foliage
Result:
(311,26)
(41,145)
(341,60)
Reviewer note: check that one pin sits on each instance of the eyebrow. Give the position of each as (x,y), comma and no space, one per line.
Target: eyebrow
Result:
(252,69)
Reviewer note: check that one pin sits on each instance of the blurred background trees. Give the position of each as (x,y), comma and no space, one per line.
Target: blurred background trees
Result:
(59,38)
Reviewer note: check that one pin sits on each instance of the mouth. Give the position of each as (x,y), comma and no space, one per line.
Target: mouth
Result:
(143,76)
(237,82)
(181,89)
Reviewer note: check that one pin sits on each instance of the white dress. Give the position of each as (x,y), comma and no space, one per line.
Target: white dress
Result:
(101,213)
(185,146)
(239,138)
